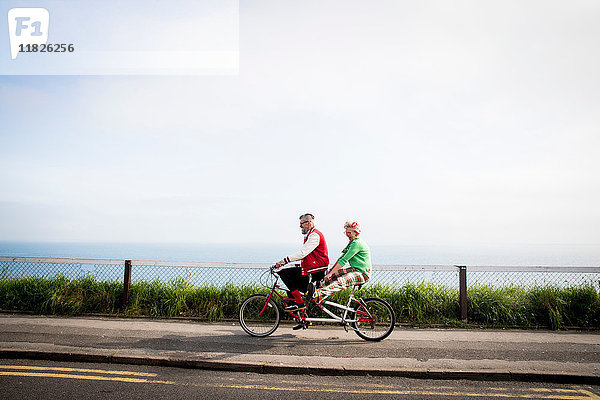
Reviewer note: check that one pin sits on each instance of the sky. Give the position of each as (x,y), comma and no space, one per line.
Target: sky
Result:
(429,122)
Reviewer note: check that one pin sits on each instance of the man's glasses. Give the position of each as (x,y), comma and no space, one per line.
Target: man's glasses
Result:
(302,223)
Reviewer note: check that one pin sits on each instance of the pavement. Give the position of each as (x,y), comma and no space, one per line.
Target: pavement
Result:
(477,354)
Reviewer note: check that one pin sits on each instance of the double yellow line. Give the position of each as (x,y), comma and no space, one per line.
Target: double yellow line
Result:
(79,373)
(535,393)
(446,391)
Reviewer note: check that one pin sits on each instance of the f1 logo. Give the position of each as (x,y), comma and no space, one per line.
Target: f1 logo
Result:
(27,26)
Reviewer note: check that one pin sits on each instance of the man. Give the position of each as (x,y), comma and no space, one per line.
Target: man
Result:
(315,261)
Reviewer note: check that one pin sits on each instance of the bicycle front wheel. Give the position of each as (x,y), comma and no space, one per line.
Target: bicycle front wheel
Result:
(375,319)
(259,317)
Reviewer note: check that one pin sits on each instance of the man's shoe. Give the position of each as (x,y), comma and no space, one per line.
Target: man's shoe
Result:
(295,307)
(310,291)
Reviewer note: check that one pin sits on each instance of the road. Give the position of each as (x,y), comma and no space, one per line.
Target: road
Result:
(426,353)
(33,379)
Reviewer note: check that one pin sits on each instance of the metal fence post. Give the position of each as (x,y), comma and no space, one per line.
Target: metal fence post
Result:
(126,284)
(462,285)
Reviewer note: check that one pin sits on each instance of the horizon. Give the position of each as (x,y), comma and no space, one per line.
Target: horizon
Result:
(499,255)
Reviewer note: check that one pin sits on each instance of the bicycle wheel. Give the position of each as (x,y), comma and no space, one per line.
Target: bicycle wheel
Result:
(376,322)
(257,317)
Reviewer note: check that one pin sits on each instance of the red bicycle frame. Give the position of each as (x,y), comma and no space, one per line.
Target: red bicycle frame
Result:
(285,301)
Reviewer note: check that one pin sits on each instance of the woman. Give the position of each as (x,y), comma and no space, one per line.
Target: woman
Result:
(358,271)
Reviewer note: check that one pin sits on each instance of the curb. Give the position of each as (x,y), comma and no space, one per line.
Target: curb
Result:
(491,375)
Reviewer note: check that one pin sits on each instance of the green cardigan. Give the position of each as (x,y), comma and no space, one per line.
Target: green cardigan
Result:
(358,254)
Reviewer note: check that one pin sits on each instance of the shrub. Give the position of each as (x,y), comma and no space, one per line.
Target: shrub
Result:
(422,303)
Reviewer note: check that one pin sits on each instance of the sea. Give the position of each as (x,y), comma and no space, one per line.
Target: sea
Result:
(498,257)
(583,255)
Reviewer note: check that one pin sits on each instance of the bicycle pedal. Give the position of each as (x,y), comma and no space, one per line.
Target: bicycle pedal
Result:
(301,326)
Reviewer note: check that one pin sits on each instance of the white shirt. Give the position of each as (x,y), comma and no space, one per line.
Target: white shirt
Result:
(311,243)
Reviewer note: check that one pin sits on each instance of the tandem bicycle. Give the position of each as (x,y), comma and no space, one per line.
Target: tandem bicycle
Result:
(371,318)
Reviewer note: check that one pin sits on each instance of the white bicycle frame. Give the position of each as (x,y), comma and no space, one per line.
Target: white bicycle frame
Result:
(335,318)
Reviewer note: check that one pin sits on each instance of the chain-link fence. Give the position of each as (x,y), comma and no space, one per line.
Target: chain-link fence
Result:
(103,270)
(498,276)
(198,274)
(400,275)
(220,274)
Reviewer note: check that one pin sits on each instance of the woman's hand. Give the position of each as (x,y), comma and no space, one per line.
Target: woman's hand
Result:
(333,270)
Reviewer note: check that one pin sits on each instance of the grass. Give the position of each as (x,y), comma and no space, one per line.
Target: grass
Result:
(422,304)
(180,298)
(540,306)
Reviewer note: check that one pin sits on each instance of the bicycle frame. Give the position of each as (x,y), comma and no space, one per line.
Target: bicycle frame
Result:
(302,315)
(371,318)
(344,320)
(274,290)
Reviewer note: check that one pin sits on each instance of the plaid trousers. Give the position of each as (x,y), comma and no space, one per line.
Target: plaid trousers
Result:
(340,280)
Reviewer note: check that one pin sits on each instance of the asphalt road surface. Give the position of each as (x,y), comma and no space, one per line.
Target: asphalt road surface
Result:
(32,379)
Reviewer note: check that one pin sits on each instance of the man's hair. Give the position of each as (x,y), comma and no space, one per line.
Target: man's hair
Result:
(307,216)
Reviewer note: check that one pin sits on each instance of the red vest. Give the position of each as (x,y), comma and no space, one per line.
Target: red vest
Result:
(318,259)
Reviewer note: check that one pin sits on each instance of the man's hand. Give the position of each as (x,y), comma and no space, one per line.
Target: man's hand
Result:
(279,264)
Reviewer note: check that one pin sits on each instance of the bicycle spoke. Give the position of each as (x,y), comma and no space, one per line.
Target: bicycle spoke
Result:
(375,319)
(259,315)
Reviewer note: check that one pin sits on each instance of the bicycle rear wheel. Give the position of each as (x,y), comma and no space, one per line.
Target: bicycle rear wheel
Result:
(259,317)
(376,321)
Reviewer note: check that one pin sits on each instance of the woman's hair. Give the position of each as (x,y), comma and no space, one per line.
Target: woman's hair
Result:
(355,226)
